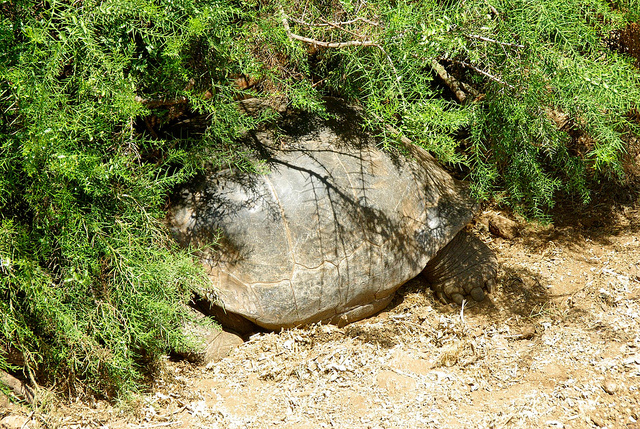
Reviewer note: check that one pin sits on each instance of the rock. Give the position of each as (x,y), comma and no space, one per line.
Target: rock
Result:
(503,227)
(215,344)
(221,346)
(528,332)
(15,421)
(17,387)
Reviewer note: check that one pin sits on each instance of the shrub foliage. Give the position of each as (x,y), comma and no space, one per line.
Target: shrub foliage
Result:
(108,105)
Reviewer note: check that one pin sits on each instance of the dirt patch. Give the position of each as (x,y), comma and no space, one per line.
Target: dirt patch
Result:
(558,345)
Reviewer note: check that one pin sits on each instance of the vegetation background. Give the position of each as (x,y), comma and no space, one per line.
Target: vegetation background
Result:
(107,106)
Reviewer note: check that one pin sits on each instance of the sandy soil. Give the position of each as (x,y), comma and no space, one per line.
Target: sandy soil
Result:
(557,345)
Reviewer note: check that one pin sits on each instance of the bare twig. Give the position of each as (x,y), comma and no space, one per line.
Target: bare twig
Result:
(337,45)
(413,148)
(151,103)
(157,425)
(333,44)
(493,9)
(484,73)
(285,24)
(341,28)
(24,425)
(486,39)
(332,24)
(395,72)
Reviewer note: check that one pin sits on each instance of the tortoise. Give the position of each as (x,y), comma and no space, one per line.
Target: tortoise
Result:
(332,230)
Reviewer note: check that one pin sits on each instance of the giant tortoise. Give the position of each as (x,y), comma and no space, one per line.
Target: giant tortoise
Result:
(333,228)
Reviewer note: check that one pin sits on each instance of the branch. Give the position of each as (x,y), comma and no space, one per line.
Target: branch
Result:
(484,73)
(293,36)
(341,28)
(412,147)
(151,103)
(333,44)
(333,24)
(493,9)
(450,81)
(285,24)
(486,39)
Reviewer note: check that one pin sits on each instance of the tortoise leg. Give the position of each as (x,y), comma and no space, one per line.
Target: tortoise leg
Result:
(462,270)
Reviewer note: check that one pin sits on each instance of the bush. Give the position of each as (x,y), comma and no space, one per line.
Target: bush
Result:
(547,103)
(92,288)
(107,106)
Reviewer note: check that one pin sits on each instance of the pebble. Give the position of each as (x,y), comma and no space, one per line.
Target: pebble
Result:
(610,386)
(597,420)
(503,227)
(528,332)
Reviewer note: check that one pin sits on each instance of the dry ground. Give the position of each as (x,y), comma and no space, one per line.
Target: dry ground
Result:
(558,345)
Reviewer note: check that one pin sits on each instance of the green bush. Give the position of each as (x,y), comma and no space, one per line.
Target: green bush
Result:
(108,106)
(92,288)
(525,62)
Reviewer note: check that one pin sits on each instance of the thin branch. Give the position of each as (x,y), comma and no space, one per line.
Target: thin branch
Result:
(285,24)
(450,81)
(152,103)
(337,45)
(493,9)
(484,73)
(486,39)
(412,147)
(333,24)
(332,44)
(339,27)
(471,90)
(395,72)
